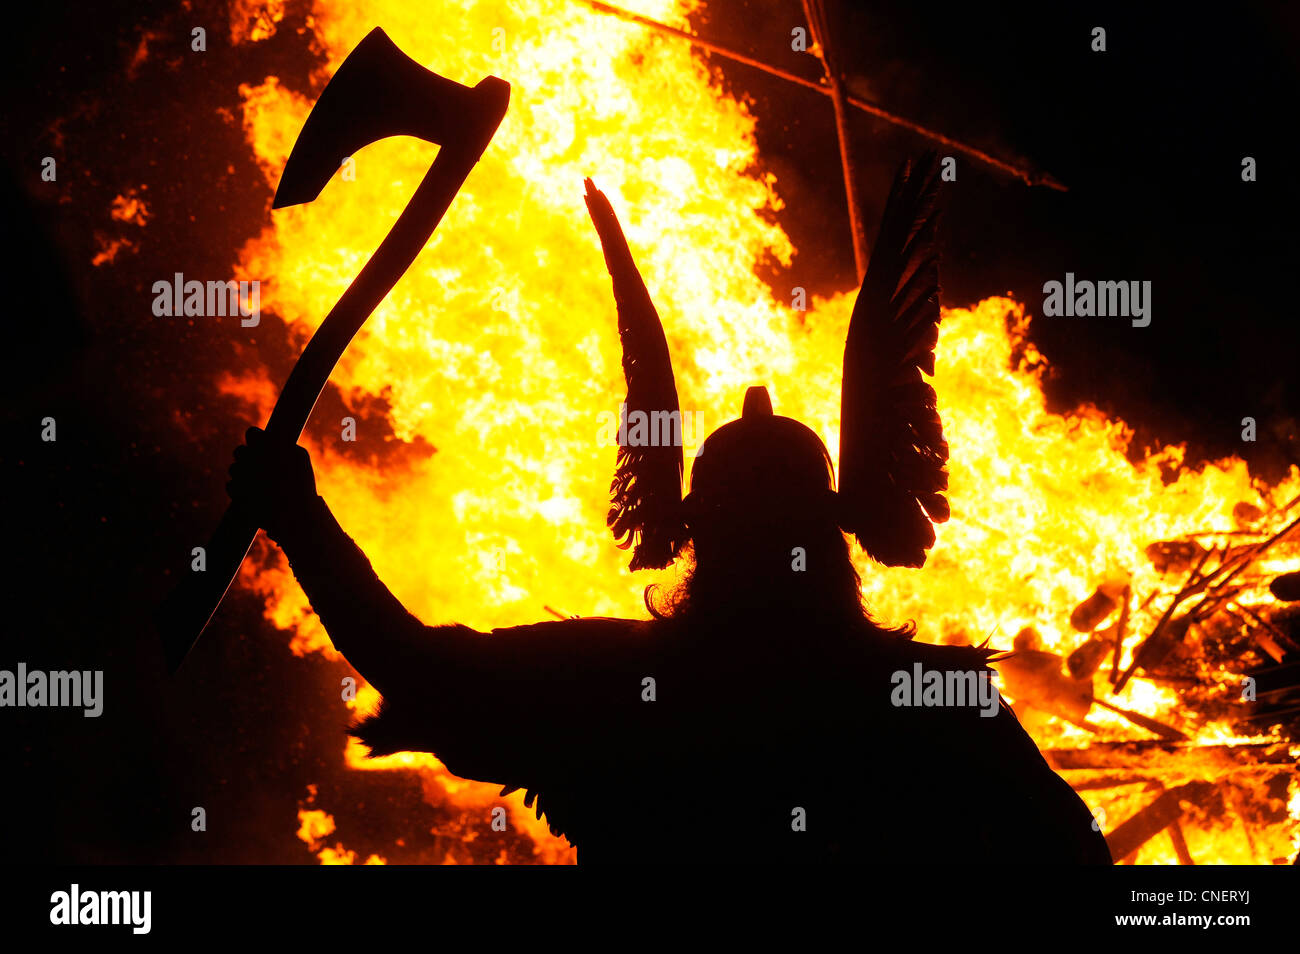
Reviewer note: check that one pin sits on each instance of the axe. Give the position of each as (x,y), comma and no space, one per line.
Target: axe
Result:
(378,92)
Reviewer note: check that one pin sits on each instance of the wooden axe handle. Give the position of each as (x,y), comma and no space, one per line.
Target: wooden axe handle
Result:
(190,606)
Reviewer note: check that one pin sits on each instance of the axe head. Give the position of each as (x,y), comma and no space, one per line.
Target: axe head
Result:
(379,92)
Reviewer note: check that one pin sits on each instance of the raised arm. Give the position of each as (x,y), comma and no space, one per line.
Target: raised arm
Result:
(509,706)
(365,621)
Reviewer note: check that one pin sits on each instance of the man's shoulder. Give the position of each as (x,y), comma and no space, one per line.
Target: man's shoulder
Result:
(579,627)
(898,650)
(918,686)
(588,641)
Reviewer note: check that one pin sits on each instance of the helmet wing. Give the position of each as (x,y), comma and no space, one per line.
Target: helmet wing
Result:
(646,494)
(893,454)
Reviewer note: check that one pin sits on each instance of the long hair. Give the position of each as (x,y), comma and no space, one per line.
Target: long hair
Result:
(729,582)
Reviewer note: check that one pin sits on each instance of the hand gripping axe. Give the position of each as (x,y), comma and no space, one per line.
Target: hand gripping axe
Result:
(376,93)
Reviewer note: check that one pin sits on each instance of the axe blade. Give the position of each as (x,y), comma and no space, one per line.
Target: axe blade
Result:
(462,125)
(377,92)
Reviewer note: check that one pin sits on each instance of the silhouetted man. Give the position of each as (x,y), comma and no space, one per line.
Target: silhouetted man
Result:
(760,715)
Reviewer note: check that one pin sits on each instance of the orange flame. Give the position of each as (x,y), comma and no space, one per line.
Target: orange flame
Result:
(499,348)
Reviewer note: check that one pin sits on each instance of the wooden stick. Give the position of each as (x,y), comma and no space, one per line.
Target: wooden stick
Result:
(1120,628)
(816,17)
(1272,629)
(1151,725)
(1252,554)
(1131,835)
(1107,755)
(1025,173)
(1113,781)
(1218,590)
(1265,641)
(1271,715)
(1188,589)
(1230,797)
(1191,537)
(1180,844)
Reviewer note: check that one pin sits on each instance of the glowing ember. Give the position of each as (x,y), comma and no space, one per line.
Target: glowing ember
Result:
(317,826)
(499,349)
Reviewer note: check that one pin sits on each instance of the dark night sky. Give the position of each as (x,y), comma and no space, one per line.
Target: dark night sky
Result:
(1148,136)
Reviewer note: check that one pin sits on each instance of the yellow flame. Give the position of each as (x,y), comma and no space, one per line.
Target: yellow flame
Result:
(499,348)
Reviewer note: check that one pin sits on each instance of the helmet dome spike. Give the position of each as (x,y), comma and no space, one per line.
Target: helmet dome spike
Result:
(758,403)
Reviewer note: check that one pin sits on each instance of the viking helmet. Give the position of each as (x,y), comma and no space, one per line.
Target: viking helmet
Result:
(761,460)
(892,452)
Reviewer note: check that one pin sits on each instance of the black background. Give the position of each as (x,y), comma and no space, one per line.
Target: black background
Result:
(1148,137)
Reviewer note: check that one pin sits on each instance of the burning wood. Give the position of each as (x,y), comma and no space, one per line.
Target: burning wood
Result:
(1151,759)
(1286,587)
(1174,556)
(1226,609)
(1163,813)
(1198,617)
(1098,607)
(1035,678)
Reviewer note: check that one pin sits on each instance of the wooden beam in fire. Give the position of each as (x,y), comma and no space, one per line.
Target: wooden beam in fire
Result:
(815,13)
(1136,758)
(1163,813)
(1024,171)
(1218,589)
